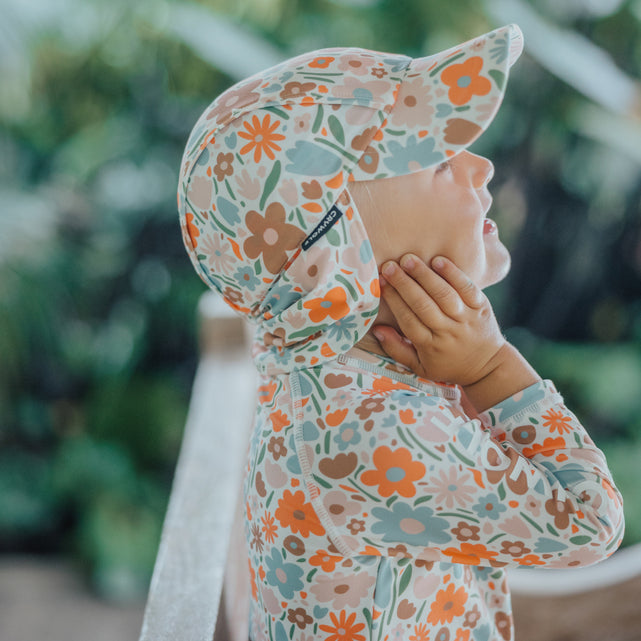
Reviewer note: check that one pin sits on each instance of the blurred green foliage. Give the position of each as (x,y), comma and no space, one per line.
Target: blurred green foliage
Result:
(97,298)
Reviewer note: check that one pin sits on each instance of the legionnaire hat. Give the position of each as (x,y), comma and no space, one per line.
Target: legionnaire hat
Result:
(266,216)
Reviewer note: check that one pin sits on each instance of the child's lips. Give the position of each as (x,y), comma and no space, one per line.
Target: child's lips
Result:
(489,226)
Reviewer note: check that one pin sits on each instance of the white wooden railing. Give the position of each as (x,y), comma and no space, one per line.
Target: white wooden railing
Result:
(199,587)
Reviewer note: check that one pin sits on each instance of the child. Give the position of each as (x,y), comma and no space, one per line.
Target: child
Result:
(394,471)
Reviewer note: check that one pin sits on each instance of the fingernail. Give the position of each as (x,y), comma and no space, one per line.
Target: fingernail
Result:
(381,281)
(388,268)
(379,335)
(408,262)
(438,262)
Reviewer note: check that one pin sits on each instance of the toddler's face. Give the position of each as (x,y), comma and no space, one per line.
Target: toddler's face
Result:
(437,211)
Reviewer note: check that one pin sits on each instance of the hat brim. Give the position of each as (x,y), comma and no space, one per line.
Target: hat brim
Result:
(443,104)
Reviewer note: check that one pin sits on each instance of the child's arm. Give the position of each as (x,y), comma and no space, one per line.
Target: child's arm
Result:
(453,332)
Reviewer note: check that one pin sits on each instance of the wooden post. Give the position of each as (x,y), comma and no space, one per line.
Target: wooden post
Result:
(185,595)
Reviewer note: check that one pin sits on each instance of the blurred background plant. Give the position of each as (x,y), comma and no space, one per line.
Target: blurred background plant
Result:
(98,299)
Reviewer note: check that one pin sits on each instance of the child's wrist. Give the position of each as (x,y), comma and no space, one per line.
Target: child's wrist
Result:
(508,373)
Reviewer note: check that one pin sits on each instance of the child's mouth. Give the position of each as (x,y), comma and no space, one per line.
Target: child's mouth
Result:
(489,227)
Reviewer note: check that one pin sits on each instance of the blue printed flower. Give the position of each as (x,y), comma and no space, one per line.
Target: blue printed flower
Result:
(411,399)
(227,210)
(284,576)
(246,277)
(405,524)
(413,156)
(347,435)
(280,297)
(310,159)
(489,507)
(342,328)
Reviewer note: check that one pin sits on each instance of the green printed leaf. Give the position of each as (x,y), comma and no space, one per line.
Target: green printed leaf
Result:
(552,531)
(336,128)
(269,500)
(581,539)
(328,436)
(499,77)
(368,618)
(405,580)
(318,121)
(390,500)
(270,183)
(322,481)
(261,456)
(501,491)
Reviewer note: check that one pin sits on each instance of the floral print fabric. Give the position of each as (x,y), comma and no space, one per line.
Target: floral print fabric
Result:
(376,509)
(266,216)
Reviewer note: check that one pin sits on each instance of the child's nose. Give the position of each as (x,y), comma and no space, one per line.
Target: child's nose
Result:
(482,171)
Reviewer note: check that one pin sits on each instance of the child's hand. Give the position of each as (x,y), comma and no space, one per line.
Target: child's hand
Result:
(452,333)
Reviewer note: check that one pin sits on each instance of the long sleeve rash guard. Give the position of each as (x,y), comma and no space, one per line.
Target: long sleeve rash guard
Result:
(376,509)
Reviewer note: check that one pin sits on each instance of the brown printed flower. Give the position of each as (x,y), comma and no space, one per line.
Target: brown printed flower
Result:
(355,526)
(459,131)
(516,483)
(300,617)
(524,434)
(503,624)
(472,617)
(399,551)
(272,237)
(294,545)
(561,510)
(334,381)
(368,162)
(277,447)
(362,141)
(260,485)
(233,295)
(296,89)
(378,72)
(368,407)
(234,99)
(514,548)
(340,466)
(466,532)
(405,609)
(224,166)
(312,190)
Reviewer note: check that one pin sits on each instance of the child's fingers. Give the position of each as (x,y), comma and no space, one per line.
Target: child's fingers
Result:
(396,347)
(413,326)
(439,289)
(409,299)
(469,292)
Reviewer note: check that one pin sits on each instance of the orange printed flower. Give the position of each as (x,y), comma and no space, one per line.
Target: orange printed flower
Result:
(530,559)
(266,392)
(464,81)
(448,603)
(279,419)
(322,62)
(192,231)
(395,472)
(298,516)
(252,579)
(269,527)
(547,448)
(261,137)
(470,553)
(462,635)
(421,633)
(325,560)
(343,628)
(333,304)
(557,421)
